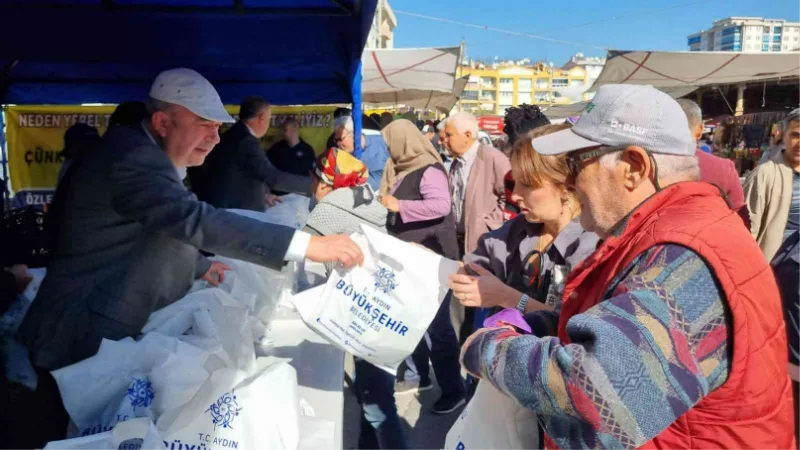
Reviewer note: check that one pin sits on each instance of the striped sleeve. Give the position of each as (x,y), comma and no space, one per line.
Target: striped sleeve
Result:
(636,362)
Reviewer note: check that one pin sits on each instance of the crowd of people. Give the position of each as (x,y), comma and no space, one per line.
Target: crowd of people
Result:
(616,278)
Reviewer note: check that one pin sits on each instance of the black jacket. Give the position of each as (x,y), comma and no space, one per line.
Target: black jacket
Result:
(237,173)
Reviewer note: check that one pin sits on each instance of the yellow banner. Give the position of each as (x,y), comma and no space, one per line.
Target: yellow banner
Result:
(35,136)
(316,124)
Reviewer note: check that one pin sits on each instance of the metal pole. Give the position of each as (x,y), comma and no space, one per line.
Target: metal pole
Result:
(740,100)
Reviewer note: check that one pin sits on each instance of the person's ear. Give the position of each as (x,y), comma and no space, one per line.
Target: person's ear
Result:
(698,132)
(637,167)
(160,121)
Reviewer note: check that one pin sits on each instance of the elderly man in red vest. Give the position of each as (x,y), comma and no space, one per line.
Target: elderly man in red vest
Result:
(671,334)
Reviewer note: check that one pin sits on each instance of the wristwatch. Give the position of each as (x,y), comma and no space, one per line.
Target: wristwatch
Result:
(523,303)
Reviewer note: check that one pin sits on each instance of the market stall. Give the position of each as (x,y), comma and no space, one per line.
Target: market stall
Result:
(110,51)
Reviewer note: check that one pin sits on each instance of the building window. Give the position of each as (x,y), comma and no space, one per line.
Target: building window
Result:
(776,48)
(560,82)
(469,95)
(766,30)
(488,96)
(542,97)
(488,82)
(507,84)
(524,85)
(523,97)
(575,83)
(777,30)
(542,83)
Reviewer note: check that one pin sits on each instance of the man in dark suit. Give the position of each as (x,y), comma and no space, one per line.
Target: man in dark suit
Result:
(129,239)
(238,171)
(291,154)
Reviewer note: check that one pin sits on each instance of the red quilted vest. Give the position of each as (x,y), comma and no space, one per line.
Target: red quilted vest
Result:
(753,408)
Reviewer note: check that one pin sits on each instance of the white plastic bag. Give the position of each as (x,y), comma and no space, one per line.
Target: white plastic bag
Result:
(381,310)
(177,318)
(128,379)
(235,409)
(292,211)
(255,286)
(132,434)
(493,420)
(214,321)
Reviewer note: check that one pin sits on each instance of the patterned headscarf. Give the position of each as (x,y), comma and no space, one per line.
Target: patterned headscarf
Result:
(340,169)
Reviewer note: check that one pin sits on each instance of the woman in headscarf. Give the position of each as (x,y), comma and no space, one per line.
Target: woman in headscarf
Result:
(343,198)
(344,201)
(415,190)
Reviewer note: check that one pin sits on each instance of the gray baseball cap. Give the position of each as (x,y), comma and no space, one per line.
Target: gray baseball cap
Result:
(187,88)
(625,114)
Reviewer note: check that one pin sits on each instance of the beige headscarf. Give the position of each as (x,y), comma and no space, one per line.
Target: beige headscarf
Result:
(408,151)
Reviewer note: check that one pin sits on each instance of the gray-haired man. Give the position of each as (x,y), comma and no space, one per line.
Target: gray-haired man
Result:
(131,233)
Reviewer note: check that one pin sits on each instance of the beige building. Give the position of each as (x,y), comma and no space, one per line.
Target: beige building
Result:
(381,34)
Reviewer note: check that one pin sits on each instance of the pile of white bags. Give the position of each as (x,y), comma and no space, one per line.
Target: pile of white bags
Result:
(381,310)
(193,373)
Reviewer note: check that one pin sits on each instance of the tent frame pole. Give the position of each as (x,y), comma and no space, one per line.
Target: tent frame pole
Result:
(357,106)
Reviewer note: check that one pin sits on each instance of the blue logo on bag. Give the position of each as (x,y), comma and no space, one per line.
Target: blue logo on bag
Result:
(385,280)
(225,410)
(141,393)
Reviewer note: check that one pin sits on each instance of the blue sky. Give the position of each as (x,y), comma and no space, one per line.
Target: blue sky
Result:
(638,26)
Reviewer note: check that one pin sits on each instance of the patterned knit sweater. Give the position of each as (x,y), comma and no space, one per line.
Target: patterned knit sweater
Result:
(623,362)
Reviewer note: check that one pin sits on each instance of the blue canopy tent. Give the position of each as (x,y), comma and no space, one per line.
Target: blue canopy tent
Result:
(109,51)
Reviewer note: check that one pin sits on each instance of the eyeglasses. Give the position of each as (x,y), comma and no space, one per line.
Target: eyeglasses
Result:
(575,160)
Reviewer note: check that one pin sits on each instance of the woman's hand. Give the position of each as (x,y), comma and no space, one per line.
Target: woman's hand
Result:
(390,202)
(484,290)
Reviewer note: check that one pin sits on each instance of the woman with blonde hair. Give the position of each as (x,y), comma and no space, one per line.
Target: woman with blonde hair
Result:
(523,264)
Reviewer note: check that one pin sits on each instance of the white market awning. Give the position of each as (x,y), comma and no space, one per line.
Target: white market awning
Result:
(424,78)
(575,109)
(685,69)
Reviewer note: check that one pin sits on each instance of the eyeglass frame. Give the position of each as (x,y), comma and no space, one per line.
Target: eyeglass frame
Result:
(576,159)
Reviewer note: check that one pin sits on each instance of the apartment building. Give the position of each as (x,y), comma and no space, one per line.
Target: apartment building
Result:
(381,33)
(747,34)
(495,86)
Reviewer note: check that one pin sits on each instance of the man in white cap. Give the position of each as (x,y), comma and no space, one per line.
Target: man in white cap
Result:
(130,236)
(671,333)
